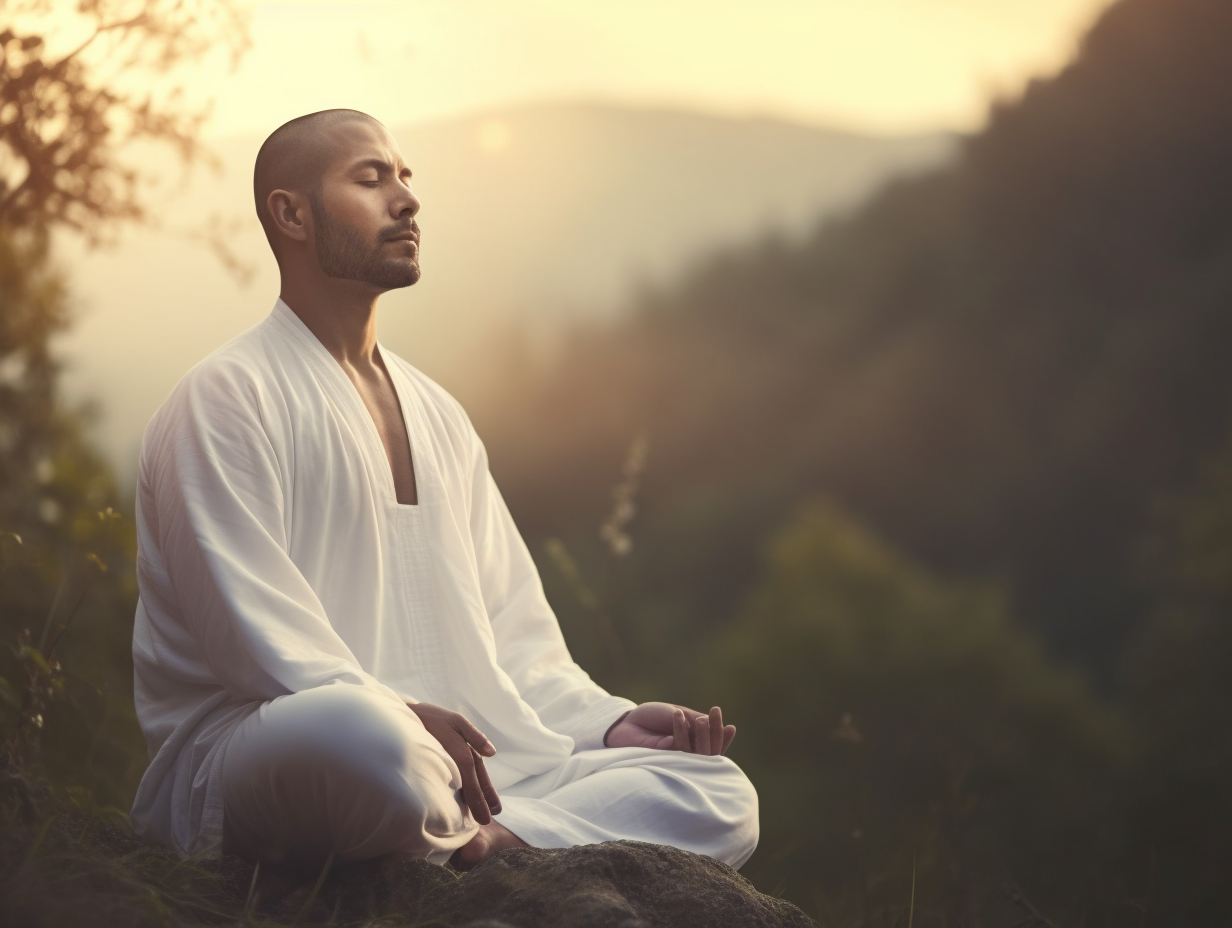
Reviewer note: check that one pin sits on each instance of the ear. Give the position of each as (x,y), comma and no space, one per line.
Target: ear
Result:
(289,213)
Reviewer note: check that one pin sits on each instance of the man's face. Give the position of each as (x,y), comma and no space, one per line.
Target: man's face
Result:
(364,211)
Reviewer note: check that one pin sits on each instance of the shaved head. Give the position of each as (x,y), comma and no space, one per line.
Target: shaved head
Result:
(296,155)
(350,161)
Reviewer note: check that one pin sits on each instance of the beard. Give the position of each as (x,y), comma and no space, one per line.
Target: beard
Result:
(346,255)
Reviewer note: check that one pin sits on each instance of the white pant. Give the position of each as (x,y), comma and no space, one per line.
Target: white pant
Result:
(342,769)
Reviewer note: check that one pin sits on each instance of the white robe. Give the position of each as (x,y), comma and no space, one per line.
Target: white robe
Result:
(274,557)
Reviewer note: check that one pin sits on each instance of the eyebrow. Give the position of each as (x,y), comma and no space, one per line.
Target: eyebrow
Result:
(381,167)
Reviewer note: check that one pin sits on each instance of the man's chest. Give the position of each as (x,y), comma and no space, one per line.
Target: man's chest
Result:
(381,401)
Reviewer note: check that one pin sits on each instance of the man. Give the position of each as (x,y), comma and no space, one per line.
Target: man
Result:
(342,646)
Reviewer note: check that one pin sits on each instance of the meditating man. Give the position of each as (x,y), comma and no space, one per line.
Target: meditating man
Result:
(342,645)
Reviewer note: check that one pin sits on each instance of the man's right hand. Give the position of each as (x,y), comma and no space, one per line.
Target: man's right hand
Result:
(468,746)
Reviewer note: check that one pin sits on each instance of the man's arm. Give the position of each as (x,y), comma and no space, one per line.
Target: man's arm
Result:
(529,645)
(531,649)
(214,532)
(214,550)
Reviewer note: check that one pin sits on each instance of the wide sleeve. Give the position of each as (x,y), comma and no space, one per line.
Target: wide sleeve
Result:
(529,645)
(214,546)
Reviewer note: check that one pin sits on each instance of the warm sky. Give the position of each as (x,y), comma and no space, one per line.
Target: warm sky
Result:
(879,66)
(885,66)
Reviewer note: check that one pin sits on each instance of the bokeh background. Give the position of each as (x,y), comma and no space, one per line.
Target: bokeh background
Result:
(862,368)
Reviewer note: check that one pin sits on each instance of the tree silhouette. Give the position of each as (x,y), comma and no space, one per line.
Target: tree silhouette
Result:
(895,722)
(77,89)
(1181,695)
(995,365)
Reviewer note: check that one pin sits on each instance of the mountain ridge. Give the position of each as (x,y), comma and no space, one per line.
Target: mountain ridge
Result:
(532,217)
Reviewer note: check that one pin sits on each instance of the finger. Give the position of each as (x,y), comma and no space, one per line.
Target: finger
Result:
(716,730)
(486,787)
(472,792)
(474,737)
(680,730)
(729,732)
(701,734)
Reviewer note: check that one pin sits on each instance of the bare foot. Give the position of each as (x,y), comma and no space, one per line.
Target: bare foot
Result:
(488,840)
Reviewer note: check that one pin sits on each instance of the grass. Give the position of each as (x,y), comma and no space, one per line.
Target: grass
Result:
(65,865)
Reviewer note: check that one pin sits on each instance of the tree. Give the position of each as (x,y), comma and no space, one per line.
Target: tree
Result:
(901,725)
(73,98)
(75,90)
(995,365)
(1180,692)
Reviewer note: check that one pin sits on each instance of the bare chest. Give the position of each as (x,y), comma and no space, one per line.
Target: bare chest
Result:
(381,401)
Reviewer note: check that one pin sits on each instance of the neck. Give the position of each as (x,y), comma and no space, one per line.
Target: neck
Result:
(340,313)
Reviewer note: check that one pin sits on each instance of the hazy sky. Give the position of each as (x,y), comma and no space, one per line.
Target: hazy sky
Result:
(885,66)
(881,66)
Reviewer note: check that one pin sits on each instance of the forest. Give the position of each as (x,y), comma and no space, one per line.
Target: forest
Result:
(936,502)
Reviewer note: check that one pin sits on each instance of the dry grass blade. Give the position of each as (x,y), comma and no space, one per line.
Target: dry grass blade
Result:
(34,848)
(316,888)
(252,892)
(1033,917)
(911,910)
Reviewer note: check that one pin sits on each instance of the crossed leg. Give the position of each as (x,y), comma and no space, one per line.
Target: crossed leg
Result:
(341,769)
(696,802)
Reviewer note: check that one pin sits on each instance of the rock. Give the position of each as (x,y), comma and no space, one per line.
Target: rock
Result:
(619,884)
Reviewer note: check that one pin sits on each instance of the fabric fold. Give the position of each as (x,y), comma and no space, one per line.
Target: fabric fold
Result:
(274,558)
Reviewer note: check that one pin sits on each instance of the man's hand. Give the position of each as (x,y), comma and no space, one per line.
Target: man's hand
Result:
(467,745)
(672,728)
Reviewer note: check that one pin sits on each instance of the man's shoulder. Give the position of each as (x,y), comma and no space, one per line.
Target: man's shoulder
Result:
(232,374)
(215,395)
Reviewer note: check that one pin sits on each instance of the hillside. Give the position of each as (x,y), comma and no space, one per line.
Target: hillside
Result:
(1000,366)
(531,216)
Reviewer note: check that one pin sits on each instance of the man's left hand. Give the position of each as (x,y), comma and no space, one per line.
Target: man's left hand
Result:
(669,727)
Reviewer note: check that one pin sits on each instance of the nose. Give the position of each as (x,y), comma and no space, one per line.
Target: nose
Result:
(404,203)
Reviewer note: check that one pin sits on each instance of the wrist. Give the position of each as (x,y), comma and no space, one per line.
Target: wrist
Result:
(622,717)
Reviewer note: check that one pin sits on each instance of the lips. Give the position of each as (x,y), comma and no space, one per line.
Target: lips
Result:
(410,236)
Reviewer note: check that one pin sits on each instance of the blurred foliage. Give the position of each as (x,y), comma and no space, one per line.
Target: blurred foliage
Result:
(999,367)
(67,557)
(996,365)
(1180,689)
(894,723)
(78,83)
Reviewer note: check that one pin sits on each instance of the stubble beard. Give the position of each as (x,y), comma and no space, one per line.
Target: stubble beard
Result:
(344,254)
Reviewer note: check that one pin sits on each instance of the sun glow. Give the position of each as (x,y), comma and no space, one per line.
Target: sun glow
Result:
(885,66)
(494,136)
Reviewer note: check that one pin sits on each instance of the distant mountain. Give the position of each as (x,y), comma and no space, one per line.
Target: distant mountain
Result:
(530,217)
(1001,367)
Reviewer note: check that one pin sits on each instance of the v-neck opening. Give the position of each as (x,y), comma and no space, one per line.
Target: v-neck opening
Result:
(406,427)
(345,388)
